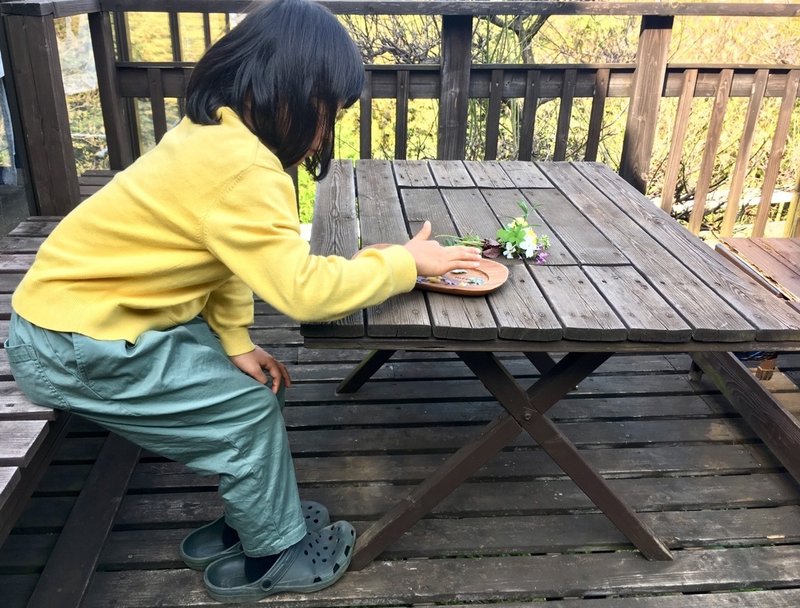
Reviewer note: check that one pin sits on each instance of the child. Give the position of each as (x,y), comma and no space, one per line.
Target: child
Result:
(135,312)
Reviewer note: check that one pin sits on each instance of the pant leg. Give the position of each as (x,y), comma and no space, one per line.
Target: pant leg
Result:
(176,393)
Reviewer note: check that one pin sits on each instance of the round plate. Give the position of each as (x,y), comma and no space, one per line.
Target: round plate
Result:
(487,277)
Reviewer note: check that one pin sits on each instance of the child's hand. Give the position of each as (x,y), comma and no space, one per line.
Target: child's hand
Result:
(256,361)
(433,259)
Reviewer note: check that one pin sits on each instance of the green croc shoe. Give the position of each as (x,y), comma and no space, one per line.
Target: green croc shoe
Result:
(206,544)
(317,561)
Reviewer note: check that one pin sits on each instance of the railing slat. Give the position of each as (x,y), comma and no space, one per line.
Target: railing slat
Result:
(678,139)
(206,30)
(45,123)
(157,104)
(602,77)
(529,107)
(118,137)
(401,117)
(454,88)
(493,114)
(122,35)
(565,114)
(175,36)
(710,150)
(365,118)
(645,95)
(776,152)
(743,157)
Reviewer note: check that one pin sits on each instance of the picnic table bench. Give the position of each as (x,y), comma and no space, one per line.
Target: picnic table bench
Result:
(773,262)
(30,433)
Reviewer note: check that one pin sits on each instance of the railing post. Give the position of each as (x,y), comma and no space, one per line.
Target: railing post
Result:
(43,112)
(118,140)
(648,82)
(454,94)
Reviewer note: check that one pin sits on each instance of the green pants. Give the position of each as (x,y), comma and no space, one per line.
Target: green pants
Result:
(176,393)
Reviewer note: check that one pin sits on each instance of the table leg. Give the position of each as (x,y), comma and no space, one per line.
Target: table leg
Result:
(541,361)
(461,465)
(528,410)
(364,370)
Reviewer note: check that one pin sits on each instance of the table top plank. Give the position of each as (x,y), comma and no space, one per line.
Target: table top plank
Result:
(334,231)
(467,318)
(451,174)
(488,174)
(381,221)
(645,313)
(469,211)
(521,310)
(504,204)
(582,310)
(413,173)
(524,174)
(742,293)
(711,318)
(459,318)
(563,220)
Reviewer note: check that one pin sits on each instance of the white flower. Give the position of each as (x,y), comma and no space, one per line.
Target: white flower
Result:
(528,245)
(509,250)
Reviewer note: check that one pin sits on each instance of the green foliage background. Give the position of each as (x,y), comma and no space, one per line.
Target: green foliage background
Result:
(559,39)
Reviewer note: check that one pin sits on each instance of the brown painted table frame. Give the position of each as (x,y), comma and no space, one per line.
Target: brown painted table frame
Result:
(525,410)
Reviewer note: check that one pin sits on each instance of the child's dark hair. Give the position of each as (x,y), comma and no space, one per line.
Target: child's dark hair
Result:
(286,69)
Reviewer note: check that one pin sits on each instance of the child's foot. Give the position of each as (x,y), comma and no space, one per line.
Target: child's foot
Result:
(317,561)
(217,539)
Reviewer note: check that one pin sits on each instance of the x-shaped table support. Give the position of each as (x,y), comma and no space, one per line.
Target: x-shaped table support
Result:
(525,410)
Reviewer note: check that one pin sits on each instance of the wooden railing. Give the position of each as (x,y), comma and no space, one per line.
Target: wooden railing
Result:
(453,82)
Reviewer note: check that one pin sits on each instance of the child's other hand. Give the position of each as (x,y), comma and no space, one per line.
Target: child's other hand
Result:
(433,259)
(256,361)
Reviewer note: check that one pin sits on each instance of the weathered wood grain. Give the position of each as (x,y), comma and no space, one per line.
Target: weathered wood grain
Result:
(559,576)
(562,219)
(583,312)
(505,205)
(335,232)
(741,293)
(710,317)
(21,439)
(458,318)
(381,221)
(643,311)
(488,174)
(412,173)
(451,174)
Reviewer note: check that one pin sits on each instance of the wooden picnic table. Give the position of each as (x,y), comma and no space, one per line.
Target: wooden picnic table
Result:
(622,277)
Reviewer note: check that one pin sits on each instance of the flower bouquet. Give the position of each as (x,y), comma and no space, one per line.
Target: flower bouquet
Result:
(517,239)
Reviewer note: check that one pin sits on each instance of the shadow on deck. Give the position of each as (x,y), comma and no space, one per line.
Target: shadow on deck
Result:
(517,532)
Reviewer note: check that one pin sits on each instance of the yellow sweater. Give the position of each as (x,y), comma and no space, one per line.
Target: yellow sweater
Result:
(195,226)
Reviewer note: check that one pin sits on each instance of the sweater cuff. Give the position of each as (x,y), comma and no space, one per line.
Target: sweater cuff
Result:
(236,341)
(403,266)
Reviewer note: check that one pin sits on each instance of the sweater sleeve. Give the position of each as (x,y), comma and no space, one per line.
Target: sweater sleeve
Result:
(229,312)
(254,230)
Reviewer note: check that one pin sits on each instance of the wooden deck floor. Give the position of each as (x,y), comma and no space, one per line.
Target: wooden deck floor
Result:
(517,534)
